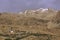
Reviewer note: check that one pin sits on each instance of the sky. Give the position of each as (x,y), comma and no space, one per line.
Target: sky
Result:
(21,5)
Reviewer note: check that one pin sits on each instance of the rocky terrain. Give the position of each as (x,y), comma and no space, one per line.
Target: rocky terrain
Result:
(40,24)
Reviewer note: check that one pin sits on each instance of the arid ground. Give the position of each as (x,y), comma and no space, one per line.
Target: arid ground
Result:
(30,25)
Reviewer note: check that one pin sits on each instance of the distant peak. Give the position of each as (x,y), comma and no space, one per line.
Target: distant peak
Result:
(42,9)
(39,10)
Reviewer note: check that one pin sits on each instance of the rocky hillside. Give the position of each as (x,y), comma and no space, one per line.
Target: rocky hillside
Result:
(41,24)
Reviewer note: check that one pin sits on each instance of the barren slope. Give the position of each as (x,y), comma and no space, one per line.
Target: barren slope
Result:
(35,25)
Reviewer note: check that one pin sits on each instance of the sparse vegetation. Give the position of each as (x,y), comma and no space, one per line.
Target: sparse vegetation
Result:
(30,26)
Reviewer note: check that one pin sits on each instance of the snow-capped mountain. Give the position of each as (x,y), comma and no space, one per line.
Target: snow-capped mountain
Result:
(40,10)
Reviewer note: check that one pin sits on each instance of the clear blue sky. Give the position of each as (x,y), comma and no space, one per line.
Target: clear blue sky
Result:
(20,5)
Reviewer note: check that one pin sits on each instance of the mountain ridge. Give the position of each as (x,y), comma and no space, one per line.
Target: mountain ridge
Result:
(32,21)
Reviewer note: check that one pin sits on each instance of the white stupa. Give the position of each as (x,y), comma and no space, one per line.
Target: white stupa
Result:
(11,32)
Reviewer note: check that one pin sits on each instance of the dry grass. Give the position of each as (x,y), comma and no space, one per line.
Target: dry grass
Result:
(37,22)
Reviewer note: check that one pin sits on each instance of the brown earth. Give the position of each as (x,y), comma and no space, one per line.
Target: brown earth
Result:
(30,25)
